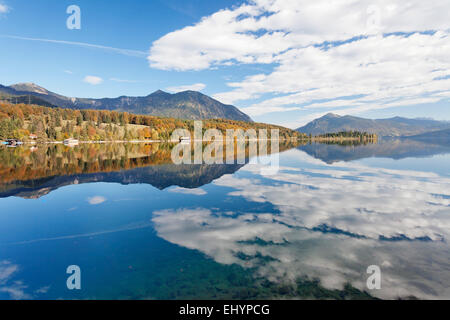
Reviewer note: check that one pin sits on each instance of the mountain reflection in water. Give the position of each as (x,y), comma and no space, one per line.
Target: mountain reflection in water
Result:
(34,172)
(387,148)
(223,231)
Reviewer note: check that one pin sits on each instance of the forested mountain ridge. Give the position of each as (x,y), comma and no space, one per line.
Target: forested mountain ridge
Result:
(393,127)
(189,105)
(19,121)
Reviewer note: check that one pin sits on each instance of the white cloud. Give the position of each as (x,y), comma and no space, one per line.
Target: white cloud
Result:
(382,192)
(378,202)
(43,290)
(373,72)
(96,200)
(7,269)
(259,31)
(379,56)
(15,289)
(196,192)
(93,80)
(4,8)
(189,87)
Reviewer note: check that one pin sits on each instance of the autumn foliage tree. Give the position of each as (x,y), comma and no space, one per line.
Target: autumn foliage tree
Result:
(18,120)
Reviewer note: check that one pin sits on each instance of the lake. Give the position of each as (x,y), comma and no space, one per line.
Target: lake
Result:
(141,227)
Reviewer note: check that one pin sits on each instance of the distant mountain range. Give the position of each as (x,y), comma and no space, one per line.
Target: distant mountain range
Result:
(393,127)
(441,134)
(393,148)
(190,105)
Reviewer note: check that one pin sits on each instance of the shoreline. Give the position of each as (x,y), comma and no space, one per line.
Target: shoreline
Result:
(299,139)
(143,141)
(340,139)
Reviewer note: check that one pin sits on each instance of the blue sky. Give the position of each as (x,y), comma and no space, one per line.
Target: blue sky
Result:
(266,57)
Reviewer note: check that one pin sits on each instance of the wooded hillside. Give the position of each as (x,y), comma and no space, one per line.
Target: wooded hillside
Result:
(19,121)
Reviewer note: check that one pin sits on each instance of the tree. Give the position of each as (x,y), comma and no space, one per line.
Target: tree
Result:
(38,128)
(79,120)
(126,134)
(91,131)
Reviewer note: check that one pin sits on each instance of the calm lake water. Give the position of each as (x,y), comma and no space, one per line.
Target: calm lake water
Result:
(140,227)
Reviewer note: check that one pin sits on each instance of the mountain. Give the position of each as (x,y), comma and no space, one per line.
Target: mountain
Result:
(440,135)
(392,148)
(26,99)
(35,172)
(393,127)
(190,105)
(30,87)
(159,176)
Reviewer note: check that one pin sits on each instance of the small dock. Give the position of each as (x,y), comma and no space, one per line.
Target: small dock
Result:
(12,142)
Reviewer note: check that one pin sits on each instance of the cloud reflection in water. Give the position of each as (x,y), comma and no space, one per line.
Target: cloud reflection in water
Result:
(332,223)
